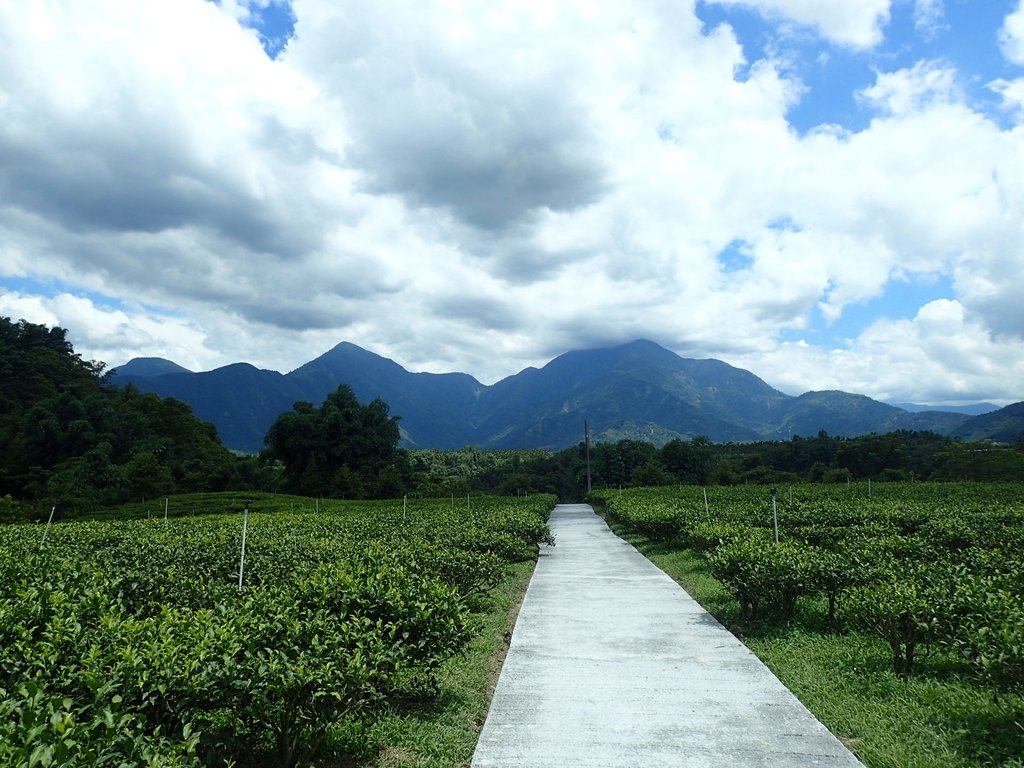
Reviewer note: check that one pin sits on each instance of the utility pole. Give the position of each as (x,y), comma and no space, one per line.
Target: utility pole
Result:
(586,441)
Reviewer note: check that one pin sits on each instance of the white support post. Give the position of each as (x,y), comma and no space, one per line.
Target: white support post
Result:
(46,531)
(245,530)
(775,515)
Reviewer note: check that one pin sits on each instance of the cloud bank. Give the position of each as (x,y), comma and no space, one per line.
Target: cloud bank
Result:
(479,187)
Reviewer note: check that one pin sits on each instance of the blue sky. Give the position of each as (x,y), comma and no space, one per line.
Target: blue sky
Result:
(963,35)
(828,194)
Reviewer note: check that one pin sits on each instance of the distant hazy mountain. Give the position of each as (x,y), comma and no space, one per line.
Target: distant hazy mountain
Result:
(433,406)
(974,409)
(241,400)
(634,388)
(851,415)
(1005,425)
(637,390)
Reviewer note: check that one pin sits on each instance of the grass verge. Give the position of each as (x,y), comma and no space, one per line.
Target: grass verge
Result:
(443,733)
(938,719)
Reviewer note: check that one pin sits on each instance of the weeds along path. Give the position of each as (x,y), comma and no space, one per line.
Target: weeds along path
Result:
(612,664)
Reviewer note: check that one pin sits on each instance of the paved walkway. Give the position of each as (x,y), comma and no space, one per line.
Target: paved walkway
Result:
(612,664)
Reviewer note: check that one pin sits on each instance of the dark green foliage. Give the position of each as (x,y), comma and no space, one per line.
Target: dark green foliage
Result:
(914,564)
(68,439)
(895,613)
(689,461)
(764,575)
(42,729)
(130,643)
(834,573)
(868,456)
(342,449)
(614,464)
(984,619)
(12,511)
(902,608)
(895,457)
(980,461)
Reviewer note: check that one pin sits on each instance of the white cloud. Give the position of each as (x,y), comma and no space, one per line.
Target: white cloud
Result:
(929,16)
(1011,35)
(481,186)
(906,91)
(942,355)
(156,119)
(489,132)
(112,335)
(854,23)
(1012,93)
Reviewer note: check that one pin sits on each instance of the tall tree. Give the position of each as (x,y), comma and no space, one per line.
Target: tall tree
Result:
(66,437)
(689,460)
(342,448)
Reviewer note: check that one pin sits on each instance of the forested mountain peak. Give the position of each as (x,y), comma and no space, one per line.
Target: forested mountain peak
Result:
(149,366)
(634,390)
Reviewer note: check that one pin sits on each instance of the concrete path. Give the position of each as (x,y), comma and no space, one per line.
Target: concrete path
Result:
(612,664)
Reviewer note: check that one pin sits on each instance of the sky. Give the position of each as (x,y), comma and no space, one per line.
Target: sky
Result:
(828,193)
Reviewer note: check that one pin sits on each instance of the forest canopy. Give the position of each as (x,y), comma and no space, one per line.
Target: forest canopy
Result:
(68,438)
(342,449)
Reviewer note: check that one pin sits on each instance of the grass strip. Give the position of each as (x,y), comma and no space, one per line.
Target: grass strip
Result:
(442,734)
(938,718)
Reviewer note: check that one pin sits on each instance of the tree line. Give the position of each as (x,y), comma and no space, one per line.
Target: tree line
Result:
(894,456)
(68,437)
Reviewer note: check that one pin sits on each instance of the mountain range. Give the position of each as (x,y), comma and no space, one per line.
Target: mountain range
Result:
(638,390)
